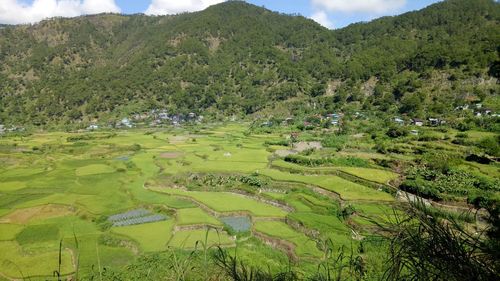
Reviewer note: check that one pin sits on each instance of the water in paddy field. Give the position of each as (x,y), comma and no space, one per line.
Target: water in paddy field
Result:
(123,158)
(238,224)
(139,216)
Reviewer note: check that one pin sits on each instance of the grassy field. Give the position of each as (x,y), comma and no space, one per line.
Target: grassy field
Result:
(229,202)
(375,175)
(9,231)
(150,236)
(188,238)
(54,187)
(346,189)
(94,170)
(304,246)
(192,216)
(15,263)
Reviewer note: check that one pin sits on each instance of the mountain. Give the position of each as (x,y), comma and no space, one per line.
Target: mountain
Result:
(236,58)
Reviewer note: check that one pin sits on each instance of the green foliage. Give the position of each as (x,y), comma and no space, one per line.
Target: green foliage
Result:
(445,249)
(278,142)
(347,211)
(337,161)
(440,160)
(135,147)
(491,145)
(439,185)
(397,132)
(38,233)
(337,142)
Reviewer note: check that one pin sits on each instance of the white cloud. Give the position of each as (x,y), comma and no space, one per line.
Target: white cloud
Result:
(363,6)
(168,7)
(322,18)
(16,12)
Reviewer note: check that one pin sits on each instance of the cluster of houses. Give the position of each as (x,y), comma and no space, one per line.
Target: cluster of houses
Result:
(153,118)
(4,129)
(477,109)
(333,119)
(433,122)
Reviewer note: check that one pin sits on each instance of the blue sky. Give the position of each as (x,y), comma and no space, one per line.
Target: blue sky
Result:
(338,18)
(330,13)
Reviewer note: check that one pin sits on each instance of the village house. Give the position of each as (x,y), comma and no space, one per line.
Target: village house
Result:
(163,115)
(436,122)
(140,117)
(417,122)
(399,121)
(358,115)
(155,123)
(266,124)
(125,122)
(334,115)
(14,129)
(288,121)
(462,107)
(92,127)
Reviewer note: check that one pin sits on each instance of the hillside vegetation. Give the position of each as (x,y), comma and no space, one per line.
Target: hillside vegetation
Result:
(236,58)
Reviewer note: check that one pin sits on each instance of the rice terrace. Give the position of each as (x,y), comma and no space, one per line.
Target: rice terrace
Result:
(56,188)
(228,140)
(101,192)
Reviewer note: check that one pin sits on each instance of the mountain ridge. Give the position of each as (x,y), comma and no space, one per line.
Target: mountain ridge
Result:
(237,58)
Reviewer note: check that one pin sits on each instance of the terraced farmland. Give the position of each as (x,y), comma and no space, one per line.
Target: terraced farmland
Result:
(106,197)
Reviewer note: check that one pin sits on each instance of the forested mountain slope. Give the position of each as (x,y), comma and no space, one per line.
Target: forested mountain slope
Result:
(236,58)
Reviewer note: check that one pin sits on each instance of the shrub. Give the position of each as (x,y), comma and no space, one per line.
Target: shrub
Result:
(347,212)
(420,188)
(491,145)
(281,142)
(337,142)
(463,126)
(135,147)
(338,161)
(424,246)
(440,161)
(396,132)
(428,137)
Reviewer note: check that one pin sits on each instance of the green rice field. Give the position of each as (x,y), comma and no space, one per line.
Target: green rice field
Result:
(57,194)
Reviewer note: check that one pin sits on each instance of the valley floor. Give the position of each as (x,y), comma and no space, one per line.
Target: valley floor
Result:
(218,186)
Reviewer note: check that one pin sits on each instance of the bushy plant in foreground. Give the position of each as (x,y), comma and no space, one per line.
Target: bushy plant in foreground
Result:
(425,247)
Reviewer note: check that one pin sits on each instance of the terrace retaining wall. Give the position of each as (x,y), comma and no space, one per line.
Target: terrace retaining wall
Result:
(287,247)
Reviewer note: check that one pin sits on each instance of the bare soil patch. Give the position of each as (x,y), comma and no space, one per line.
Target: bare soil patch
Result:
(22,216)
(171,155)
(284,152)
(301,146)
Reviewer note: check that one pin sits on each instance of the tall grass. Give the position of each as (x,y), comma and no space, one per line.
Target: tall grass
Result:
(426,247)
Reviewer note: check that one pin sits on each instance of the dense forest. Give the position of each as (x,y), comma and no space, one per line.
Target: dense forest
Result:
(238,59)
